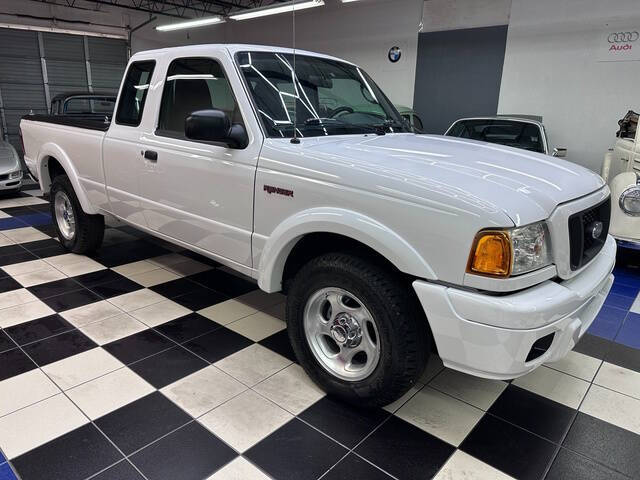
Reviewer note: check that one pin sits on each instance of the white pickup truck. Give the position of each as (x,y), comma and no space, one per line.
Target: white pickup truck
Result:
(389,244)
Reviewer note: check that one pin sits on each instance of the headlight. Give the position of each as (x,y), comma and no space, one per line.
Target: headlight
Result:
(512,251)
(630,201)
(17,174)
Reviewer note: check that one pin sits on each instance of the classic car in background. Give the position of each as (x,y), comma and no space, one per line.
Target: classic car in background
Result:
(519,131)
(410,115)
(621,170)
(10,169)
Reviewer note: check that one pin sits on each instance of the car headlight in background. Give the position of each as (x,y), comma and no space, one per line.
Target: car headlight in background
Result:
(513,251)
(16,174)
(630,200)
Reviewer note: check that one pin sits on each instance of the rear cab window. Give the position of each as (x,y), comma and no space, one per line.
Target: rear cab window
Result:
(134,93)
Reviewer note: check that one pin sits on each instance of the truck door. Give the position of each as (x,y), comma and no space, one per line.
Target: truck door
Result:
(123,149)
(195,191)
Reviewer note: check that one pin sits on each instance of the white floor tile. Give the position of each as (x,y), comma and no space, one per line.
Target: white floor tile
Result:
(619,379)
(5,241)
(65,259)
(25,389)
(578,364)
(239,469)
(109,392)
(135,268)
(479,392)
(190,267)
(47,275)
(245,420)
(440,415)
(635,308)
(253,364)
(228,311)
(168,259)
(26,267)
(24,235)
(23,313)
(291,389)
(613,407)
(82,268)
(434,367)
(83,367)
(136,300)
(203,390)
(81,316)
(37,424)
(16,297)
(394,406)
(257,326)
(554,385)
(112,328)
(159,313)
(463,466)
(154,277)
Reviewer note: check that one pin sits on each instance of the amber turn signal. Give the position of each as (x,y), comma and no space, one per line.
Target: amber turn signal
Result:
(491,254)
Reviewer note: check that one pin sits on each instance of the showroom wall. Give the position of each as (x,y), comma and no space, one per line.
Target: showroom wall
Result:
(554,67)
(362,32)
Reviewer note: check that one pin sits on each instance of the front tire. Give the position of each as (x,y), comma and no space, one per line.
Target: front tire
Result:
(356,329)
(77,231)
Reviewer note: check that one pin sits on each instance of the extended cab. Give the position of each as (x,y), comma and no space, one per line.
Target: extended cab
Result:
(387,243)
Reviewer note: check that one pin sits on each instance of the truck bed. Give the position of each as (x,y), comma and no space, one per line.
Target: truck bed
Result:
(93,122)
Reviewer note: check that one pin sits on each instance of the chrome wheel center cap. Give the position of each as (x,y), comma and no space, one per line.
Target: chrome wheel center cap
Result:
(346,331)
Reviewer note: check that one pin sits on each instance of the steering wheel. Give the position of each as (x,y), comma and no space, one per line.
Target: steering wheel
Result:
(344,109)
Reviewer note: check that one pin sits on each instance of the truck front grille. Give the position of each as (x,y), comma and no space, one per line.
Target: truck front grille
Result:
(4,177)
(584,240)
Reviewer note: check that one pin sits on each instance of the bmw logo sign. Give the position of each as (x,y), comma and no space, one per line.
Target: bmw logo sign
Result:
(394,54)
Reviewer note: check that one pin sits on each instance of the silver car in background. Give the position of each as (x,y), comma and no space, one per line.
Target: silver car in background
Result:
(10,169)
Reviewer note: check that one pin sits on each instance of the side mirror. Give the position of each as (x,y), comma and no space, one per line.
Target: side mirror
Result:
(214,126)
(559,152)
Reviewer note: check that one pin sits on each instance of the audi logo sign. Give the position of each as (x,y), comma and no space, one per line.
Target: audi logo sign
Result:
(623,37)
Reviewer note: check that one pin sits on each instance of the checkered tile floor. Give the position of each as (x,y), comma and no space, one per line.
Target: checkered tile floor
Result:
(143,362)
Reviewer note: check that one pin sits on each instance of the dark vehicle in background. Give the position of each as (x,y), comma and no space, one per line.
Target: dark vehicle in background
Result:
(525,132)
(84,104)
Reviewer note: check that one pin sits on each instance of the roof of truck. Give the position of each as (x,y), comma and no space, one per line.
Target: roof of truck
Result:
(232,48)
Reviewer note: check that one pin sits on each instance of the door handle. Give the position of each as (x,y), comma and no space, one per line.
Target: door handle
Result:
(151,155)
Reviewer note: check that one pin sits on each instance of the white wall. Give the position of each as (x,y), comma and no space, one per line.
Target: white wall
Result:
(551,69)
(441,15)
(362,32)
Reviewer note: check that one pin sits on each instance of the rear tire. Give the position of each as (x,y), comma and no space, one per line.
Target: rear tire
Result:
(339,305)
(77,231)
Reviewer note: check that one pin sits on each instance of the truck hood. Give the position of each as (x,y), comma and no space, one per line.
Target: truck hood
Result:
(524,185)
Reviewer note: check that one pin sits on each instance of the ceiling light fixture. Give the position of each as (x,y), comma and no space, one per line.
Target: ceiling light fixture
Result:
(198,22)
(275,9)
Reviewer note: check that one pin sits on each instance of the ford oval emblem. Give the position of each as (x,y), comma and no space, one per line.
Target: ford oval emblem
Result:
(596,229)
(394,54)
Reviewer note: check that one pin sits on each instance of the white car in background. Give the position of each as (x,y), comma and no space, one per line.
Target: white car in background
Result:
(621,170)
(518,131)
(10,169)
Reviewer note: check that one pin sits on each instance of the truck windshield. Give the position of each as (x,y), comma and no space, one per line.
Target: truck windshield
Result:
(322,97)
(511,133)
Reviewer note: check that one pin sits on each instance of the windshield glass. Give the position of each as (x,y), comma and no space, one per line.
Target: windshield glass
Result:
(504,132)
(324,97)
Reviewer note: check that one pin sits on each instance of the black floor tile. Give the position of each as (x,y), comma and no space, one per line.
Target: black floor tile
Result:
(508,448)
(593,346)
(48,229)
(70,300)
(605,443)
(343,422)
(38,329)
(353,467)
(5,342)
(120,471)
(570,465)
(139,423)
(17,258)
(279,342)
(185,328)
(11,250)
(115,288)
(51,251)
(175,288)
(56,348)
(200,298)
(14,362)
(166,367)
(7,284)
(40,244)
(191,453)
(295,452)
(624,356)
(218,344)
(138,346)
(200,258)
(224,282)
(52,289)
(100,277)
(405,451)
(17,211)
(532,412)
(75,455)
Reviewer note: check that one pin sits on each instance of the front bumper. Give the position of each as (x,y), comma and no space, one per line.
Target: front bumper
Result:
(12,184)
(491,336)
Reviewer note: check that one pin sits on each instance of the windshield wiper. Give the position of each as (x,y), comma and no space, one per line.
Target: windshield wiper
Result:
(321,121)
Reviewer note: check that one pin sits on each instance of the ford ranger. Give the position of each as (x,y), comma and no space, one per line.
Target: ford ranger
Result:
(295,169)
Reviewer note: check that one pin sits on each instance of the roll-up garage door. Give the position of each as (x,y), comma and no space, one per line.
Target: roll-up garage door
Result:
(37,66)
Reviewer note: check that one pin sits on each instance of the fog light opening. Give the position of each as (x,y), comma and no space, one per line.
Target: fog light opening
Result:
(540,346)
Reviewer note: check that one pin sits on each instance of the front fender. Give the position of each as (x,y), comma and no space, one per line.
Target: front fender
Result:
(52,150)
(339,221)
